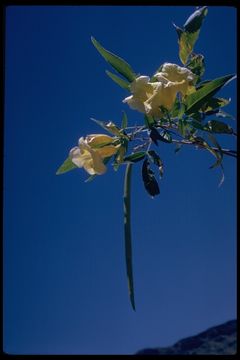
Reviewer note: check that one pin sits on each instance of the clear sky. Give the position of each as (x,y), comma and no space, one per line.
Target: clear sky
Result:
(65,287)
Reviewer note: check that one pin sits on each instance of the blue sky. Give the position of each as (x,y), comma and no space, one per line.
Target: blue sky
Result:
(65,288)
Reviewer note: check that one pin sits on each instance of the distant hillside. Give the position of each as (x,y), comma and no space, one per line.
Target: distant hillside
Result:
(217,340)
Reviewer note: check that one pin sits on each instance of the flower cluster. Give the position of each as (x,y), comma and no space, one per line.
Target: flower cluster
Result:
(149,96)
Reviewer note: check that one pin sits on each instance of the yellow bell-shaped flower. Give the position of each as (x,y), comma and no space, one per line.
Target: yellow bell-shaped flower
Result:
(91,152)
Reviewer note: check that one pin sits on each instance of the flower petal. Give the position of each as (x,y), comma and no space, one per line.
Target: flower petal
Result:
(77,157)
(135,103)
(107,151)
(95,165)
(98,139)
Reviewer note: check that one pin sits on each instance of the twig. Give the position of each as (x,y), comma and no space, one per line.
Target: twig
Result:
(227,152)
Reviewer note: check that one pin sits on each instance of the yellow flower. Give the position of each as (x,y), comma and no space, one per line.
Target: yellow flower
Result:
(147,97)
(141,89)
(91,152)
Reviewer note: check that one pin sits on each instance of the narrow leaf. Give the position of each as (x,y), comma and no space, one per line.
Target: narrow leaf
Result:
(163,136)
(68,165)
(122,83)
(120,65)
(182,127)
(213,152)
(166,136)
(155,158)
(150,183)
(197,125)
(215,103)
(214,141)
(127,231)
(119,157)
(124,120)
(197,99)
(154,135)
(149,121)
(177,148)
(90,178)
(135,157)
(219,127)
(223,114)
(176,108)
(109,126)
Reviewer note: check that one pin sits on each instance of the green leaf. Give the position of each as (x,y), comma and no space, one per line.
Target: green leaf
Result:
(219,127)
(197,99)
(163,136)
(177,148)
(197,116)
(119,156)
(109,126)
(166,136)
(197,125)
(150,183)
(90,178)
(176,108)
(223,114)
(155,158)
(218,156)
(127,232)
(214,141)
(182,127)
(135,157)
(197,66)
(120,65)
(154,135)
(194,22)
(124,120)
(149,121)
(68,165)
(122,83)
(215,103)
(188,36)
(186,45)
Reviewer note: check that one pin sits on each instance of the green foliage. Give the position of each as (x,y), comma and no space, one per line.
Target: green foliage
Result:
(155,158)
(182,127)
(109,126)
(124,120)
(122,83)
(197,124)
(120,65)
(215,103)
(68,165)
(135,157)
(149,121)
(197,66)
(202,142)
(220,127)
(201,96)
(188,36)
(164,136)
(149,180)
(194,22)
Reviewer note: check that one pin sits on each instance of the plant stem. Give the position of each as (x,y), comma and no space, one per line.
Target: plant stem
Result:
(127,231)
